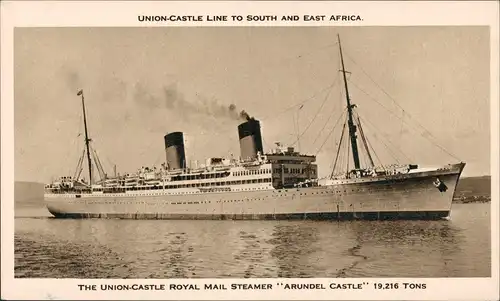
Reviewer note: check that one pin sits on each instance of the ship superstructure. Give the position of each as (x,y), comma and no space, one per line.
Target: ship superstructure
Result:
(282,168)
(280,184)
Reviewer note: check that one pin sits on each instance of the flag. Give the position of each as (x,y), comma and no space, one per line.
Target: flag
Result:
(80,93)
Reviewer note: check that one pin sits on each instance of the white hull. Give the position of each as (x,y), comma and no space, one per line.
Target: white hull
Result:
(412,195)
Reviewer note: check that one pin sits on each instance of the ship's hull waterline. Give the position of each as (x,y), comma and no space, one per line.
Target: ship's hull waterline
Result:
(405,196)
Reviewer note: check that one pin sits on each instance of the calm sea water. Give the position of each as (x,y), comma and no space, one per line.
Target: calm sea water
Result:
(48,247)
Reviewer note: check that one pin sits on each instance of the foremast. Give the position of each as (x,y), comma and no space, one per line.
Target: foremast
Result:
(87,139)
(350,122)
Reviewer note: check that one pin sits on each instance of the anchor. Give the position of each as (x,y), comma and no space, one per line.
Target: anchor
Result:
(440,185)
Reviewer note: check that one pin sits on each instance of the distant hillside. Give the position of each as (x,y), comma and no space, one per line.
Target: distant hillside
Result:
(474,186)
(473,189)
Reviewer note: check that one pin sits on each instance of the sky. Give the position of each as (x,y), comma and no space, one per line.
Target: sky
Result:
(411,86)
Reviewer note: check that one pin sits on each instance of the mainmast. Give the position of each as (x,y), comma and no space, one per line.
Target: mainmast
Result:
(87,139)
(350,122)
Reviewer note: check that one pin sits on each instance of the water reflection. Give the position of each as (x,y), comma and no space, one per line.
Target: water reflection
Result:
(294,244)
(431,243)
(174,256)
(237,249)
(53,259)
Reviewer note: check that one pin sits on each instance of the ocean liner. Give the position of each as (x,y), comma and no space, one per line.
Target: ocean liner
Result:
(279,184)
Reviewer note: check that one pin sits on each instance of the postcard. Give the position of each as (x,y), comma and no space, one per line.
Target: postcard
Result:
(250,150)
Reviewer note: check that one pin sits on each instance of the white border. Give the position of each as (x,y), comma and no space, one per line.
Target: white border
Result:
(100,14)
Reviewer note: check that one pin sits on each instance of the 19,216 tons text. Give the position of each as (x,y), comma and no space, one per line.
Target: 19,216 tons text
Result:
(403,285)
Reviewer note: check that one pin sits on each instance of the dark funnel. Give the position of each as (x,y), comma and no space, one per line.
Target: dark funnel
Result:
(174,149)
(250,139)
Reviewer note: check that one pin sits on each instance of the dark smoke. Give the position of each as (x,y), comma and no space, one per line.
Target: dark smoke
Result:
(244,115)
(170,99)
(175,100)
(144,98)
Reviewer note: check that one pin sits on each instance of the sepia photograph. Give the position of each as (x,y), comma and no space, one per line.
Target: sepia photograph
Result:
(252,152)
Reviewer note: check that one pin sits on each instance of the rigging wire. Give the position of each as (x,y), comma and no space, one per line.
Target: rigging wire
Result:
(363,139)
(310,52)
(331,131)
(388,141)
(337,159)
(338,150)
(78,170)
(341,154)
(302,55)
(348,153)
(362,159)
(68,160)
(299,56)
(334,144)
(345,157)
(404,111)
(385,109)
(343,151)
(331,113)
(401,128)
(375,153)
(265,143)
(98,164)
(275,116)
(316,115)
(389,150)
(326,123)
(313,97)
(92,152)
